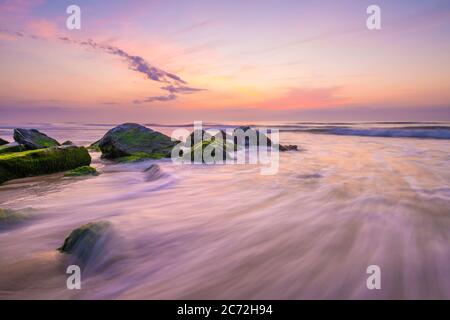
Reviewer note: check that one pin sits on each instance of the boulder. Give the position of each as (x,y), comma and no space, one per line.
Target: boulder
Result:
(153,172)
(82,241)
(42,161)
(33,139)
(11,147)
(259,137)
(68,143)
(10,217)
(2,142)
(250,132)
(131,141)
(205,151)
(82,171)
(290,147)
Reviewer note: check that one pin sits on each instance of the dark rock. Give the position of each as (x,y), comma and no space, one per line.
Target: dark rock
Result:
(33,139)
(289,147)
(252,136)
(134,142)
(42,161)
(68,143)
(82,241)
(259,138)
(2,142)
(153,172)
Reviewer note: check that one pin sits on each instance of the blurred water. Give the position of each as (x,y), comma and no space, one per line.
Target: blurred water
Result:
(310,231)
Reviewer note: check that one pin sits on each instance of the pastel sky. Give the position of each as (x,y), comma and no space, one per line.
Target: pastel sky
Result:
(211,60)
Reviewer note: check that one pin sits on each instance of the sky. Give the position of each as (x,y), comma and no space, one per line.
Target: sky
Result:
(237,60)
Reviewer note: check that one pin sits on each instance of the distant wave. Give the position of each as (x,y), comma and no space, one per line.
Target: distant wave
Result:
(404,132)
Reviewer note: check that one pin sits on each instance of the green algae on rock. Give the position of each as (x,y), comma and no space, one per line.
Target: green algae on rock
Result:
(132,142)
(82,171)
(82,240)
(42,161)
(33,139)
(11,147)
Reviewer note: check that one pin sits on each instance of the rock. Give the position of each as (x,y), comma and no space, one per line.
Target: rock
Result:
(42,161)
(33,139)
(199,153)
(153,172)
(131,142)
(11,147)
(2,142)
(251,132)
(68,143)
(82,241)
(260,137)
(10,217)
(82,171)
(289,147)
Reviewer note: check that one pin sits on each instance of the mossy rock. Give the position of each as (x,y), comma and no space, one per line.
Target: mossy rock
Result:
(131,142)
(10,217)
(2,142)
(11,147)
(33,139)
(42,161)
(200,152)
(82,171)
(82,241)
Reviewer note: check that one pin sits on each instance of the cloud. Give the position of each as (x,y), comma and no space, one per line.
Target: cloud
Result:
(194,26)
(156,98)
(181,89)
(173,83)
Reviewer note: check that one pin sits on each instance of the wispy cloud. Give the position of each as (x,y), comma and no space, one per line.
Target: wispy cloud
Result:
(174,84)
(194,26)
(156,98)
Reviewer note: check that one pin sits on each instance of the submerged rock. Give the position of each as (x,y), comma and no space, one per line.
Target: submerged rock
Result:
(42,161)
(11,147)
(2,142)
(131,142)
(82,171)
(10,217)
(33,139)
(153,172)
(290,147)
(81,242)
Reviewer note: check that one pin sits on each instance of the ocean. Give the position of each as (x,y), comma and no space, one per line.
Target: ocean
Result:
(355,195)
